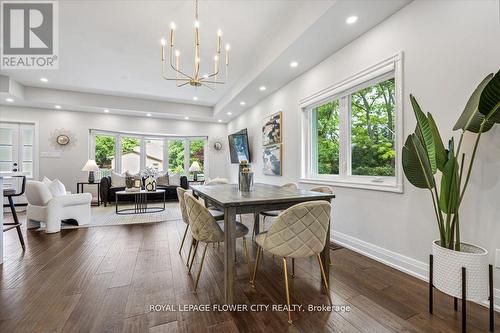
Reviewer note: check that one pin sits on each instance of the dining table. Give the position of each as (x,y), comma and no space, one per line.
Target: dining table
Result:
(263,197)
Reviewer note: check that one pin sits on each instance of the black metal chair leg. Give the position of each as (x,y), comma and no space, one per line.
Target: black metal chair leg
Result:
(431,286)
(16,221)
(464,301)
(492,311)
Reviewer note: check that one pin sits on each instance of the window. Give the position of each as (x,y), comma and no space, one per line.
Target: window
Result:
(154,153)
(17,146)
(197,153)
(133,152)
(176,156)
(105,146)
(352,131)
(130,154)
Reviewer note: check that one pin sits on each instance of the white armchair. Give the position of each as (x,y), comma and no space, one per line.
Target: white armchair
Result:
(44,208)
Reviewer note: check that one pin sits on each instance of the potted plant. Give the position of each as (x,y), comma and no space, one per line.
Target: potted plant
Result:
(423,155)
(149,174)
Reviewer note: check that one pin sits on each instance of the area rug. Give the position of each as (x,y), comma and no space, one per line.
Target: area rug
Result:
(106,216)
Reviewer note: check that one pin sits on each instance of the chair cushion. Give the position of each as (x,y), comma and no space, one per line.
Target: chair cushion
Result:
(37,193)
(241,229)
(55,187)
(174,179)
(117,179)
(162,179)
(9,191)
(300,231)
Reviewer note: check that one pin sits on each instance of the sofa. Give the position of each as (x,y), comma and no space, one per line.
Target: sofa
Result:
(108,191)
(49,210)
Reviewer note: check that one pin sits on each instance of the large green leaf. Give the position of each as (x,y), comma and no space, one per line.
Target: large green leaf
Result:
(471,119)
(450,189)
(489,102)
(441,157)
(425,134)
(416,163)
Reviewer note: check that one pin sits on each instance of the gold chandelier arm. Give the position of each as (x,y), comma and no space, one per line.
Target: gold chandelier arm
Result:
(206,85)
(186,78)
(172,65)
(180,85)
(217,82)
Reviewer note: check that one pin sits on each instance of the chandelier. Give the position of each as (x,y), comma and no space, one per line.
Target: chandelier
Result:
(195,79)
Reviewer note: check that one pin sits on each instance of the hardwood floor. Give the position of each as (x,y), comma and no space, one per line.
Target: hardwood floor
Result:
(104,279)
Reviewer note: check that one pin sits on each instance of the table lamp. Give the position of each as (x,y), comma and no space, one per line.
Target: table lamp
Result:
(195,168)
(90,166)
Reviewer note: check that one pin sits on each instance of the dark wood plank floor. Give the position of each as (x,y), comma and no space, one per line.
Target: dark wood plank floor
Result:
(104,279)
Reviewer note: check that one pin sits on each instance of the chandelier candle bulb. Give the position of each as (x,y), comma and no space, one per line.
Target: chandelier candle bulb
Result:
(172,33)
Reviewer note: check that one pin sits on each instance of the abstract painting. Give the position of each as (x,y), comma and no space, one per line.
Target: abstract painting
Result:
(271,158)
(271,129)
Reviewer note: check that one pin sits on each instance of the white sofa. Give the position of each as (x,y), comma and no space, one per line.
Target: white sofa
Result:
(44,208)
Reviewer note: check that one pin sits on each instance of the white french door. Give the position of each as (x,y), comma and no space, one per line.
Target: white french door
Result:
(17,149)
(17,153)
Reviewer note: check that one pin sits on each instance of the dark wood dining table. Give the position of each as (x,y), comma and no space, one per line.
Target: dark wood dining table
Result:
(263,197)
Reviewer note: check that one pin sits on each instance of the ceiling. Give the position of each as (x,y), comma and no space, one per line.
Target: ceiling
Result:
(112,48)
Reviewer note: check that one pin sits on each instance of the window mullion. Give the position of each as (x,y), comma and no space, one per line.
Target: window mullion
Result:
(118,153)
(343,134)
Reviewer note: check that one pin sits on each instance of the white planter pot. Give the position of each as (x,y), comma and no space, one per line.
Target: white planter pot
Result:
(447,274)
(150,184)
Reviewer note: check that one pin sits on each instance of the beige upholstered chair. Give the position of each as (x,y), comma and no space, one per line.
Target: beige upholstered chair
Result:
(322,189)
(298,232)
(185,219)
(274,213)
(206,229)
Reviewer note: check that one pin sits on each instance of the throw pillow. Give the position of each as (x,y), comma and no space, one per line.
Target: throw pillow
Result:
(56,188)
(117,179)
(174,179)
(162,179)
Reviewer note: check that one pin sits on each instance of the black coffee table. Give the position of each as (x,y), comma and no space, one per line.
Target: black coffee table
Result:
(140,202)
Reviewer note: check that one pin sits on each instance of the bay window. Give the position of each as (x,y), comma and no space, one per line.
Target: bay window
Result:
(352,131)
(132,152)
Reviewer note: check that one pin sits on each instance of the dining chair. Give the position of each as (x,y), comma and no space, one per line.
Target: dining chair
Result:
(323,189)
(206,229)
(182,204)
(274,213)
(10,193)
(298,232)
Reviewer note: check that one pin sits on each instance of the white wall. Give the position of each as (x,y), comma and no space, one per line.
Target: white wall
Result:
(67,167)
(448,49)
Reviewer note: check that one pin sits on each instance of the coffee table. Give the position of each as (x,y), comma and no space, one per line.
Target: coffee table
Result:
(140,202)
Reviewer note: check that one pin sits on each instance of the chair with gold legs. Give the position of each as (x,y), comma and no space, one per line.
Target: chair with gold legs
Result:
(206,229)
(298,232)
(323,189)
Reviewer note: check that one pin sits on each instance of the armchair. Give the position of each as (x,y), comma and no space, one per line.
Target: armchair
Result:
(50,210)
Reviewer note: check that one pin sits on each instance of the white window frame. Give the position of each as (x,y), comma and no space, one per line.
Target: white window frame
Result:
(391,67)
(143,137)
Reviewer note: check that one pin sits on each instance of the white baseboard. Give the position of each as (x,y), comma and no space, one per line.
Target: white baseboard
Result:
(395,260)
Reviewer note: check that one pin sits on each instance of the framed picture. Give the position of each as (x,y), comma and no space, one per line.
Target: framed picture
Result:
(271,158)
(137,183)
(271,129)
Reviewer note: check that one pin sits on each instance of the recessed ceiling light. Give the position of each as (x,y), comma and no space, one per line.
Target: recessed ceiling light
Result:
(187,118)
(229,113)
(351,19)
(10,100)
(57,106)
(106,110)
(219,120)
(149,114)
(262,88)
(195,98)
(44,79)
(294,64)
(242,103)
